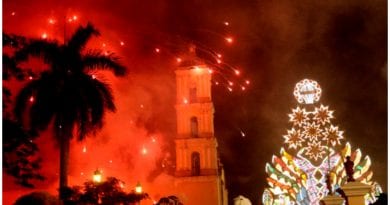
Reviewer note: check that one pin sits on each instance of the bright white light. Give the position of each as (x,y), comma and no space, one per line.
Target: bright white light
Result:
(307,91)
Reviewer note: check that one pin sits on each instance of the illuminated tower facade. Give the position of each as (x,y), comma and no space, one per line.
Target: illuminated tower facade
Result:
(199,174)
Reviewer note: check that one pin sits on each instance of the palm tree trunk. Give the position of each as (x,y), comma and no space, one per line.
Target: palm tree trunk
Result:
(64,161)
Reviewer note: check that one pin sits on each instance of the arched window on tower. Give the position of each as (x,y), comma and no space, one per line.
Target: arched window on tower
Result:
(193,95)
(194,127)
(195,164)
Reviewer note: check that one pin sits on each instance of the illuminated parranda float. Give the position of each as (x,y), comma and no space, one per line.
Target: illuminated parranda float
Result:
(313,148)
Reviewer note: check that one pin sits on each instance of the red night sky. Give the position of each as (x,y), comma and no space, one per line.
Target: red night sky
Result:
(340,44)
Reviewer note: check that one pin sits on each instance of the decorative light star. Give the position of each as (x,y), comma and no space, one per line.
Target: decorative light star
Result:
(299,116)
(315,150)
(333,135)
(293,138)
(323,115)
(312,131)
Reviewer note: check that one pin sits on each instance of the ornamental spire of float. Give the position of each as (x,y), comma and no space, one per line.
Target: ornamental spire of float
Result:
(313,147)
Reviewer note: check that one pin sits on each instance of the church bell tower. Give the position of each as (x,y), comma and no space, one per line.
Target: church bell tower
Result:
(199,174)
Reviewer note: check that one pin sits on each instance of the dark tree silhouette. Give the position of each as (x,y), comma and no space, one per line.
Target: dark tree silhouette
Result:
(19,150)
(108,192)
(170,200)
(37,198)
(66,94)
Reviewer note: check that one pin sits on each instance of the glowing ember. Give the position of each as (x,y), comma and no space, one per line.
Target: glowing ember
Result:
(185,101)
(122,43)
(229,40)
(84,149)
(237,72)
(51,21)
(30,77)
(31,99)
(157,50)
(178,60)
(226,23)
(153,139)
(13,13)
(144,151)
(44,36)
(247,82)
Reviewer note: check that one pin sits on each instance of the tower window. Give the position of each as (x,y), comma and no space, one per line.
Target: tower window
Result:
(194,127)
(195,164)
(193,95)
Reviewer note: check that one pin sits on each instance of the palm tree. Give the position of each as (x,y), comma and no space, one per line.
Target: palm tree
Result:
(66,95)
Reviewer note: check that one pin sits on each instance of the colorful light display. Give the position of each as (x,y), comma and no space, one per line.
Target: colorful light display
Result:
(313,148)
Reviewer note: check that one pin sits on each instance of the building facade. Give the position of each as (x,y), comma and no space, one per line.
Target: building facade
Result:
(198,171)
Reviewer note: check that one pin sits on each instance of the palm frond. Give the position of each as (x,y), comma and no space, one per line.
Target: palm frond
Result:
(94,60)
(81,36)
(43,107)
(47,50)
(106,92)
(14,41)
(10,68)
(22,99)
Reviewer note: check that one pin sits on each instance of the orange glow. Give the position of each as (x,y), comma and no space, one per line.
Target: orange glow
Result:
(229,40)
(84,149)
(219,61)
(51,21)
(210,71)
(243,88)
(178,60)
(44,36)
(199,70)
(230,83)
(247,82)
(237,72)
(122,43)
(97,176)
(141,106)
(226,23)
(138,188)
(216,83)
(144,151)
(230,89)
(74,17)
(103,44)
(185,101)
(219,55)
(93,76)
(157,50)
